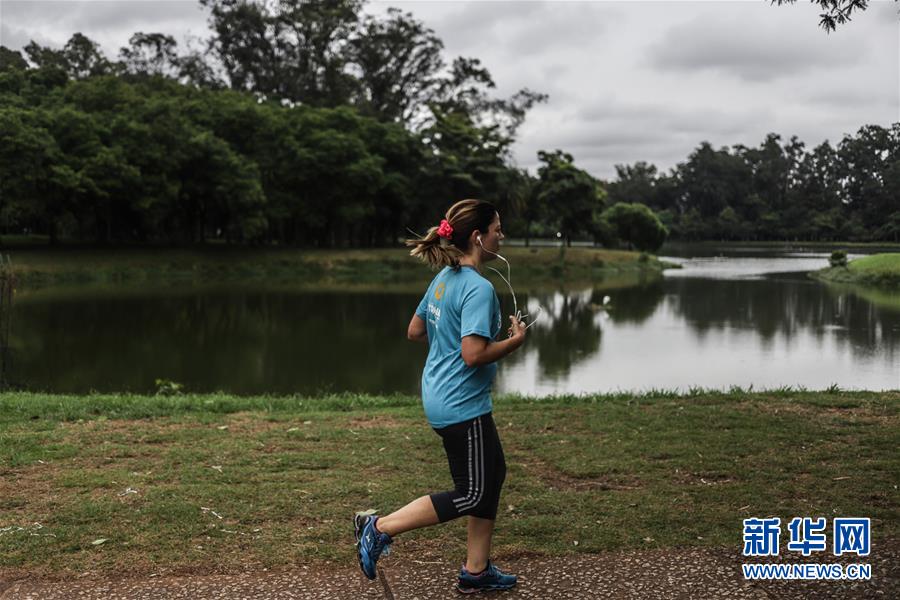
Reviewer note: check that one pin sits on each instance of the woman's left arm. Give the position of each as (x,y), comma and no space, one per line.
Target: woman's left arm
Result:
(417,331)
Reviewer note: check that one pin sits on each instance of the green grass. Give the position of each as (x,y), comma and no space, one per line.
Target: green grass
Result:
(782,244)
(879,270)
(37,267)
(877,263)
(284,474)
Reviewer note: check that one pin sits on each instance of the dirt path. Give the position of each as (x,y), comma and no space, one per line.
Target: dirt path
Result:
(691,573)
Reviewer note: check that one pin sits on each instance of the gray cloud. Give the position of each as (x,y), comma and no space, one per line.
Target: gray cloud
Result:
(480,25)
(515,40)
(108,23)
(102,15)
(878,99)
(553,29)
(885,13)
(609,132)
(15,38)
(665,117)
(755,52)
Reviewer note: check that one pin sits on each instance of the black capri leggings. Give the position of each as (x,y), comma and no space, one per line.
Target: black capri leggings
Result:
(478,468)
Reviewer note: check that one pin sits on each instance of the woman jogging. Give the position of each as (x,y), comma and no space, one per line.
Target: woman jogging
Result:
(459,317)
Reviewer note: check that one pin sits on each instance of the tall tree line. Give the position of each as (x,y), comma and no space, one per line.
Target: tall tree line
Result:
(314,124)
(779,190)
(303,123)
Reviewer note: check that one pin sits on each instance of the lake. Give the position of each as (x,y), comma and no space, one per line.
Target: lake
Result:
(732,316)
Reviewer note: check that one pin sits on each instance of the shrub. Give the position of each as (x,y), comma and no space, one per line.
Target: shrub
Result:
(166,387)
(635,224)
(838,258)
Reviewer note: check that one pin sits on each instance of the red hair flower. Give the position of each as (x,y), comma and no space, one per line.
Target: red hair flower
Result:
(445,230)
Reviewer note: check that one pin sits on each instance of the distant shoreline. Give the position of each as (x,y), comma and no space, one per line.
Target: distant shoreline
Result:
(41,267)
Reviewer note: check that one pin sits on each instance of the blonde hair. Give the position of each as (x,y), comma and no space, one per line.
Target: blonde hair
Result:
(464,217)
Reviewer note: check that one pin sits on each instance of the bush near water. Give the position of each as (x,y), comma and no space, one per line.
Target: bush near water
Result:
(882,270)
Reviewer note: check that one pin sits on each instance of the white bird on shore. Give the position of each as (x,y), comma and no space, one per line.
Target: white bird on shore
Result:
(604,305)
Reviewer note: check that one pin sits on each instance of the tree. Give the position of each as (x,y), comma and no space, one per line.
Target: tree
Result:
(150,54)
(863,161)
(635,224)
(80,58)
(43,57)
(814,204)
(837,12)
(11,59)
(773,171)
(729,225)
(712,179)
(397,60)
(285,49)
(890,231)
(568,193)
(193,69)
(634,184)
(518,203)
(462,159)
(465,90)
(84,58)
(26,155)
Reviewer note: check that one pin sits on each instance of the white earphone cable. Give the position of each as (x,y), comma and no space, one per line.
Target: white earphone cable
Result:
(508,280)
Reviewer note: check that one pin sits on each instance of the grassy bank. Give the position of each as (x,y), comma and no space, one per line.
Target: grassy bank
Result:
(782,244)
(881,270)
(218,483)
(36,267)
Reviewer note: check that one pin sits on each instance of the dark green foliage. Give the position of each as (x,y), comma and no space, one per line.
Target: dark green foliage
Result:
(339,130)
(152,160)
(634,224)
(838,258)
(11,59)
(570,195)
(777,191)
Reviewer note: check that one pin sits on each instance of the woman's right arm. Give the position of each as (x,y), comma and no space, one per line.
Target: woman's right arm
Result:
(478,350)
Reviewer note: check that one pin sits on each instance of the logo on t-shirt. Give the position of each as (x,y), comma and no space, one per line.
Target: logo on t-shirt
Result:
(439,291)
(435,312)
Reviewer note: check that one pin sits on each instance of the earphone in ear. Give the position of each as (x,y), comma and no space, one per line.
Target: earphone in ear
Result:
(479,239)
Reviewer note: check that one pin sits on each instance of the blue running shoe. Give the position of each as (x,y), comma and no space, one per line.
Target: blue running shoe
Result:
(370,543)
(491,578)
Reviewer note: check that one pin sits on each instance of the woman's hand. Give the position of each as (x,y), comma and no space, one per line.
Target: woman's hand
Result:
(477,350)
(516,329)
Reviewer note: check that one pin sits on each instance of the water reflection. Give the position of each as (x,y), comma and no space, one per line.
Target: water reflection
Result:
(570,328)
(672,332)
(785,307)
(684,332)
(238,340)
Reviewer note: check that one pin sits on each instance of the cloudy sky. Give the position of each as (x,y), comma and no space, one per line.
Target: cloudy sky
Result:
(627,81)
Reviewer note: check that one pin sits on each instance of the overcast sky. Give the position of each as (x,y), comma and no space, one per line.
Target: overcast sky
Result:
(627,81)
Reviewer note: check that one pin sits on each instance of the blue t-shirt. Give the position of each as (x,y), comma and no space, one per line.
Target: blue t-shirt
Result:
(458,303)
